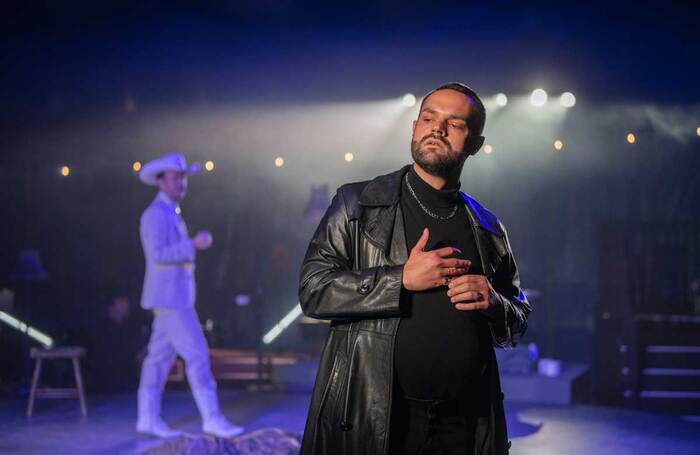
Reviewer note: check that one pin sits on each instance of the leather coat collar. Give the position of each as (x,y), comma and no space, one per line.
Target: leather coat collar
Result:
(384,191)
(382,222)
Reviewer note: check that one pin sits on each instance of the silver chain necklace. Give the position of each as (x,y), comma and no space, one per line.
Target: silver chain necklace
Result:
(425,209)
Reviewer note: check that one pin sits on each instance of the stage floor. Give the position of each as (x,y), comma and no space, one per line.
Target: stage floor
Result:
(57,426)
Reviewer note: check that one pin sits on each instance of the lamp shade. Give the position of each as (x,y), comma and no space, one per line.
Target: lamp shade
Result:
(29,268)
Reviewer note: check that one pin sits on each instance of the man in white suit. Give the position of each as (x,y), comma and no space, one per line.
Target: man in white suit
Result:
(169,290)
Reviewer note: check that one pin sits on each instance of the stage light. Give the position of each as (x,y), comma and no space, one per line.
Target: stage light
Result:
(65,171)
(31,332)
(136,166)
(558,145)
(567,99)
(631,138)
(538,97)
(283,324)
(279,161)
(349,157)
(408,100)
(488,149)
(697,131)
(209,166)
(501,99)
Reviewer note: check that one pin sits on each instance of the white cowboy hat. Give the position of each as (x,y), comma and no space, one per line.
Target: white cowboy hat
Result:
(170,162)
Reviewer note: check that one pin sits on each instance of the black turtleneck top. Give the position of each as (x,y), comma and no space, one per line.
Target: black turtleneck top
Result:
(438,350)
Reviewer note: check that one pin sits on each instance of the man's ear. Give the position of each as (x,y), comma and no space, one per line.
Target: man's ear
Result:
(474,144)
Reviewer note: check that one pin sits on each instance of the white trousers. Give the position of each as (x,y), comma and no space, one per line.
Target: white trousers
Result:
(176,332)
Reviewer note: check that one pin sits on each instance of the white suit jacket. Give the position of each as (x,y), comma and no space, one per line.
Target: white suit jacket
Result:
(170,254)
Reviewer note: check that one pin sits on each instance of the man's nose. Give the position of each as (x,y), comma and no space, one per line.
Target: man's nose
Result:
(439,128)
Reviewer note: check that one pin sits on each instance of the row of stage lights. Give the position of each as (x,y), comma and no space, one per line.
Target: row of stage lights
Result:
(538,98)
(209,166)
(558,144)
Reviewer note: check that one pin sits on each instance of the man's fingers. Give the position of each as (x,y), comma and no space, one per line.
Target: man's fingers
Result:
(473,279)
(472,306)
(454,262)
(457,288)
(451,271)
(469,296)
(447,251)
(422,241)
(469,279)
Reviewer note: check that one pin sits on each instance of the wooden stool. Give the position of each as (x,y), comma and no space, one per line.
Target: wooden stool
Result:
(74,353)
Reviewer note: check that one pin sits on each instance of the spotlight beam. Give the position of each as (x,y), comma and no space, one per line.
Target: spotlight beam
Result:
(31,332)
(282,325)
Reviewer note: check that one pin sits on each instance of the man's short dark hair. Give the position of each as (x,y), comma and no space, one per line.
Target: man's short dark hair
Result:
(477,114)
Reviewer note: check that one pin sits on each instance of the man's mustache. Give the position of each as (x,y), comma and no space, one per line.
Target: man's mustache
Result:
(436,137)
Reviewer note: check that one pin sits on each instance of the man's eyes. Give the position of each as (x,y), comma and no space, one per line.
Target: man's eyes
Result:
(456,125)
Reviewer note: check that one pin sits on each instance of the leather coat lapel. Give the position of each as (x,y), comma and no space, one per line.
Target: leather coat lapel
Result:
(490,238)
(488,247)
(380,201)
(377,225)
(398,253)
(381,222)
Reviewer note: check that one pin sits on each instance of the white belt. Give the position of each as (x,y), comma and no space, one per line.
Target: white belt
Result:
(186,266)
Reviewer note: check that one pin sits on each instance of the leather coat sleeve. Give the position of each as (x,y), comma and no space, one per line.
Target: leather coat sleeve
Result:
(330,289)
(508,316)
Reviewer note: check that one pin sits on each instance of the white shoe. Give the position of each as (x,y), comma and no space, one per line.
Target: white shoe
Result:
(213,421)
(149,421)
(220,427)
(156,427)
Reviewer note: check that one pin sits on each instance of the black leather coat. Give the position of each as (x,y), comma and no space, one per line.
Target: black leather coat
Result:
(352,276)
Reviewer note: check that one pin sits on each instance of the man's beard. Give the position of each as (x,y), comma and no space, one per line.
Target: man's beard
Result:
(434,163)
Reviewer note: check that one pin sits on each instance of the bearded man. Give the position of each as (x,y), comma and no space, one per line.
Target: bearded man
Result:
(419,283)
